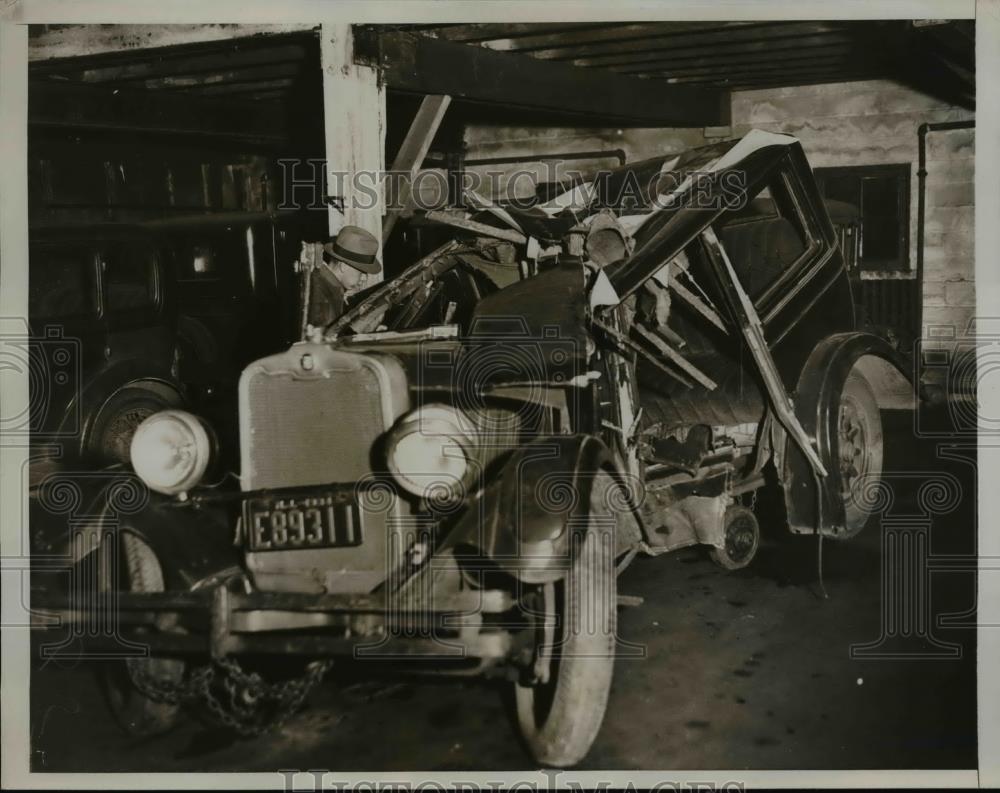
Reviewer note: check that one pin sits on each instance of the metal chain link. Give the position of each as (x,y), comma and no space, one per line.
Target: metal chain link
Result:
(166,691)
(250,705)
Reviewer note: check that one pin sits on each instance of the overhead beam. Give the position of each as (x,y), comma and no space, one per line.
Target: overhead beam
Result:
(751,69)
(739,53)
(161,66)
(810,78)
(419,64)
(72,41)
(736,67)
(905,54)
(597,35)
(76,106)
(708,38)
(229,89)
(493,31)
(206,79)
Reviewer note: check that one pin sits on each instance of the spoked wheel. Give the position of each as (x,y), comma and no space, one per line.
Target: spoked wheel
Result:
(859,442)
(741,539)
(111,434)
(560,712)
(138,713)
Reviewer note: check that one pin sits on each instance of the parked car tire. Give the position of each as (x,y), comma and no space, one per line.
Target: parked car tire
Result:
(859,447)
(137,713)
(111,434)
(741,537)
(560,718)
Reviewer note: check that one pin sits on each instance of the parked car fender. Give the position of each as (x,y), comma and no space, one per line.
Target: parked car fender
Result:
(816,401)
(199,340)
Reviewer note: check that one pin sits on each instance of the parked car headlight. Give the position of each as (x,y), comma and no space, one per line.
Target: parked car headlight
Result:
(429,452)
(170,451)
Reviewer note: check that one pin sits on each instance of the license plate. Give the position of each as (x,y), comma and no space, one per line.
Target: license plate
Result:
(301,521)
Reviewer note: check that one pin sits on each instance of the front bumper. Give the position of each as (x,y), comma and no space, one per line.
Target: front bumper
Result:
(219,622)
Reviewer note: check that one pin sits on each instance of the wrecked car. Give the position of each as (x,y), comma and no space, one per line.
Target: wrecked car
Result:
(454,473)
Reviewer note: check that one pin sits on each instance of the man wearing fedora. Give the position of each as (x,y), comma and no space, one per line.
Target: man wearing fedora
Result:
(337,273)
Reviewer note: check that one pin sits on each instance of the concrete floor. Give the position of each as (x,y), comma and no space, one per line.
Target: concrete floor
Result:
(747,670)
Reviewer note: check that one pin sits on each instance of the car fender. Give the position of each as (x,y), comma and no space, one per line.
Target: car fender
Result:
(816,401)
(526,518)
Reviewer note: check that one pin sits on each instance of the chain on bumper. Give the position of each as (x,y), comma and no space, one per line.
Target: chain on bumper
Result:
(242,701)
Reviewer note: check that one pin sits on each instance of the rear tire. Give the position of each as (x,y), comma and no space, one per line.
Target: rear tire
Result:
(559,719)
(859,449)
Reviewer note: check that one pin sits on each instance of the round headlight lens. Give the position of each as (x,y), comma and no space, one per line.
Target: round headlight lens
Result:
(429,452)
(170,451)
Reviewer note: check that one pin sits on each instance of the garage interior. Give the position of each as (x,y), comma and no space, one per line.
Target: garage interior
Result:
(203,132)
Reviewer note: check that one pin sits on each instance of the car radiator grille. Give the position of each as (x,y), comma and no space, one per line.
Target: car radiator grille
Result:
(313,416)
(315,427)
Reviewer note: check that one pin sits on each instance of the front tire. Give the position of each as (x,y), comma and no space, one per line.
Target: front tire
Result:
(559,718)
(137,713)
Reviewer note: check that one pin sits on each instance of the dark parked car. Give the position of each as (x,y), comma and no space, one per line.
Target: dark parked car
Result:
(456,475)
(236,287)
(103,316)
(236,293)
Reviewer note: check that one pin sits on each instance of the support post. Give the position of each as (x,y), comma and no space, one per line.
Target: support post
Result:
(354,121)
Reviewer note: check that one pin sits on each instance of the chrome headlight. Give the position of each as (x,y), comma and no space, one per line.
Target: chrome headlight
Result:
(429,452)
(170,451)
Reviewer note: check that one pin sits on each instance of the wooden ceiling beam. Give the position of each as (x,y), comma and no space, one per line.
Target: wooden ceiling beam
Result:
(170,66)
(209,79)
(797,78)
(51,49)
(492,31)
(736,55)
(736,64)
(833,61)
(423,65)
(226,89)
(762,31)
(604,34)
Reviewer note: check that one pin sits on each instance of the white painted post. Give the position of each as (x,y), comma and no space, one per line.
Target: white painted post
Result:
(354,119)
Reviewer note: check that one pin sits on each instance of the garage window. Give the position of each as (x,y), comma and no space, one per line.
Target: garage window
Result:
(881,194)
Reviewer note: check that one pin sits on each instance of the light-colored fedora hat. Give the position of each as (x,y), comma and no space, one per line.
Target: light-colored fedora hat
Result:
(356,247)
